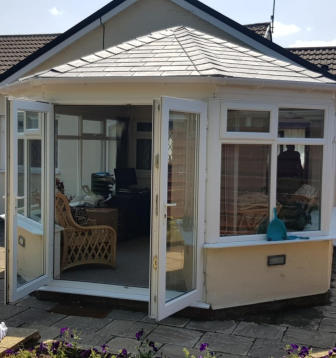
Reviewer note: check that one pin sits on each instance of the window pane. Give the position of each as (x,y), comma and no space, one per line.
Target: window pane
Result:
(244,189)
(20,117)
(92,160)
(67,159)
(299,186)
(144,126)
(20,190)
(32,120)
(92,127)
(34,179)
(183,139)
(143,154)
(301,123)
(248,121)
(67,124)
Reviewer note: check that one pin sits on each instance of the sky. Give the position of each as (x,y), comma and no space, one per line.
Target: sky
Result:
(298,23)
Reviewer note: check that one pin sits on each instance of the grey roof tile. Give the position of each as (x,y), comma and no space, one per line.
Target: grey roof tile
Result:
(183,51)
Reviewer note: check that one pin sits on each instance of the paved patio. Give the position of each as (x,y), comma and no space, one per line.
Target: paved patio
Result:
(264,337)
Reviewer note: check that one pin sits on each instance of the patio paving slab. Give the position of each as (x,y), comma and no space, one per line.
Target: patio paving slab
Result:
(309,337)
(255,330)
(178,336)
(328,325)
(82,324)
(226,327)
(228,343)
(33,302)
(46,333)
(7,311)
(128,329)
(32,316)
(170,321)
(118,343)
(126,315)
(263,348)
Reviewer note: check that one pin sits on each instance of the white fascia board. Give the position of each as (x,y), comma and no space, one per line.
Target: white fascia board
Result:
(68,41)
(250,82)
(231,31)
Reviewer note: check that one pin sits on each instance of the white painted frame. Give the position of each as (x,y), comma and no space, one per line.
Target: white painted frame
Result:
(15,293)
(159,309)
(219,107)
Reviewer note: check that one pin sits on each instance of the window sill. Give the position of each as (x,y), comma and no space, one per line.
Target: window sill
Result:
(220,245)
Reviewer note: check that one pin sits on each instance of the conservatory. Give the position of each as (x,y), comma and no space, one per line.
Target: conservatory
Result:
(149,171)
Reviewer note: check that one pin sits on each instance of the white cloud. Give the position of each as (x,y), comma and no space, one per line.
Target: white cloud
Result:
(313,43)
(309,29)
(55,12)
(281,30)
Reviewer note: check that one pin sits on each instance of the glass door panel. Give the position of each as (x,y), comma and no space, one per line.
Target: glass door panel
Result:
(177,218)
(181,203)
(26,212)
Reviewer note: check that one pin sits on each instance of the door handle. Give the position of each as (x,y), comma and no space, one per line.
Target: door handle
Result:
(169,205)
(20,197)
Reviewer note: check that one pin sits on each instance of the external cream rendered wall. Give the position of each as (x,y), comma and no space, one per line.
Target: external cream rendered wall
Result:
(139,19)
(240,276)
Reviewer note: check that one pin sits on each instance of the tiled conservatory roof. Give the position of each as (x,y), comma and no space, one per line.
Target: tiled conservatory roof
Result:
(182,51)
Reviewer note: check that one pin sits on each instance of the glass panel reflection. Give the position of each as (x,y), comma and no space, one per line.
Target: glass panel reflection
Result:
(182,203)
(32,120)
(299,181)
(248,121)
(301,123)
(30,233)
(245,184)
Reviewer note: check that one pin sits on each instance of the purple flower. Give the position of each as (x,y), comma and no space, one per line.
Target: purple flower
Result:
(63,330)
(152,345)
(54,347)
(139,334)
(9,352)
(204,346)
(124,352)
(104,348)
(69,345)
(86,354)
(304,352)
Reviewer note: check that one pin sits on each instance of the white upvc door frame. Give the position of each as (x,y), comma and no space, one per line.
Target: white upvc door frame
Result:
(14,293)
(159,308)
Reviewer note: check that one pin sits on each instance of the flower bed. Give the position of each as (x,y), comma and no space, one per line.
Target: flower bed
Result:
(68,347)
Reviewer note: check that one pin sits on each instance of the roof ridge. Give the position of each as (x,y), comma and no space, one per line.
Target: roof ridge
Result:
(187,29)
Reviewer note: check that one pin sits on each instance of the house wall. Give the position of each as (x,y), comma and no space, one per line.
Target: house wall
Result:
(139,19)
(240,276)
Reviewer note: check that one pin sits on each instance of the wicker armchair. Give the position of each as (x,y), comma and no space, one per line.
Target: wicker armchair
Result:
(84,245)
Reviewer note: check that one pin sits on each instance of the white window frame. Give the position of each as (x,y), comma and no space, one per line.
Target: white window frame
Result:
(273,140)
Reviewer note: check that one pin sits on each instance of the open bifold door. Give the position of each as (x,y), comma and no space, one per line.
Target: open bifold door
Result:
(29,220)
(178,197)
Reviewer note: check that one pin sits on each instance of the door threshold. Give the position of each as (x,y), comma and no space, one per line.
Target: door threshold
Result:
(102,290)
